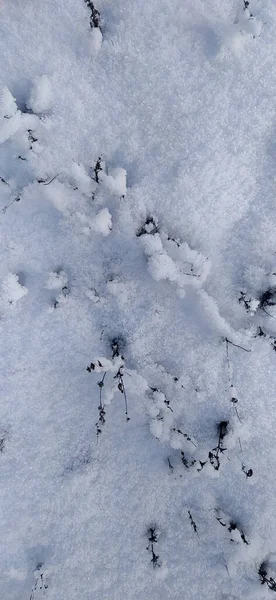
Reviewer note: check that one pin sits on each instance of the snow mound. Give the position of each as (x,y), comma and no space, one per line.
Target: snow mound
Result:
(40,98)
(115,182)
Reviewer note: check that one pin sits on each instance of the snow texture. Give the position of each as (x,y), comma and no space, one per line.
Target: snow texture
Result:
(137,300)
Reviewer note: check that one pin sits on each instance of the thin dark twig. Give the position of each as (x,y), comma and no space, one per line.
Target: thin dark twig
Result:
(193,524)
(48,182)
(234,400)
(3,210)
(101,384)
(185,436)
(237,346)
(267,313)
(122,389)
(227,569)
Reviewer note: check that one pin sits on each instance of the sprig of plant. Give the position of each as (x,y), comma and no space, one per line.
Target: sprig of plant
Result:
(267,299)
(262,572)
(193,524)
(214,454)
(101,408)
(39,583)
(97,169)
(152,539)
(31,138)
(5,208)
(187,462)
(121,387)
(149,227)
(233,399)
(95,17)
(187,437)
(232,526)
(247,472)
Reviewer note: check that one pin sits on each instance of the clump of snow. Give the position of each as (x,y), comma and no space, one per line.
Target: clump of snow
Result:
(12,290)
(161,266)
(57,280)
(10,117)
(92,295)
(40,98)
(169,259)
(211,309)
(152,244)
(8,106)
(115,182)
(161,416)
(102,223)
(84,183)
(250,24)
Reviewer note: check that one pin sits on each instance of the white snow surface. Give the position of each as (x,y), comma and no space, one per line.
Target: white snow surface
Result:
(138,239)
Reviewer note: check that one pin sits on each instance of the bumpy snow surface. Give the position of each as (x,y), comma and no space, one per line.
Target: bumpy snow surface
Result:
(137,300)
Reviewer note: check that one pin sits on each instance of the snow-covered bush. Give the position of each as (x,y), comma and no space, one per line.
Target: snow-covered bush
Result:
(114,365)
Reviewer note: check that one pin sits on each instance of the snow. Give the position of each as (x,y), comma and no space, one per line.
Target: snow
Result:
(12,290)
(115,182)
(56,280)
(102,223)
(83,181)
(137,300)
(8,104)
(40,98)
(95,40)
